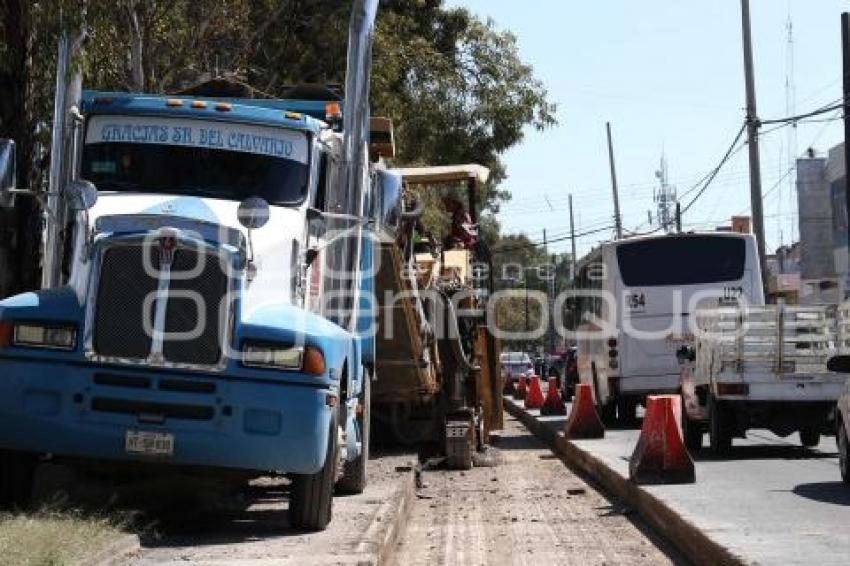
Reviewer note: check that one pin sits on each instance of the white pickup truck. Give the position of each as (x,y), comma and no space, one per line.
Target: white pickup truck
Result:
(762,367)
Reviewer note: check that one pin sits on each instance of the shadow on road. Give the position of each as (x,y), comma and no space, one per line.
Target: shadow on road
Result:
(517,442)
(836,493)
(764,452)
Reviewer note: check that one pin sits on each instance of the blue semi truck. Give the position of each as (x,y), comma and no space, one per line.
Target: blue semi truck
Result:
(206,295)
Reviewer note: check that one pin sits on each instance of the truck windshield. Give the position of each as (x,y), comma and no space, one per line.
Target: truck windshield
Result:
(208,159)
(681,260)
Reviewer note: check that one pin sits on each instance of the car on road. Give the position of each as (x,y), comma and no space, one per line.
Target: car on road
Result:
(515,364)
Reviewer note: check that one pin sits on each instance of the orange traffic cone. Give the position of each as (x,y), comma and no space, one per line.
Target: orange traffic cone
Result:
(521,388)
(553,404)
(534,397)
(583,421)
(660,455)
(508,388)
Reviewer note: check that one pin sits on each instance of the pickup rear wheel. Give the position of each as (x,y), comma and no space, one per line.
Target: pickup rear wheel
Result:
(17,470)
(311,495)
(843,448)
(719,427)
(353,480)
(809,437)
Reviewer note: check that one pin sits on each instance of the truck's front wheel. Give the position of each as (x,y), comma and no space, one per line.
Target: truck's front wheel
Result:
(353,478)
(311,495)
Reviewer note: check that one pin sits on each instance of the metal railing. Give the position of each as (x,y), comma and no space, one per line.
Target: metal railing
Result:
(777,339)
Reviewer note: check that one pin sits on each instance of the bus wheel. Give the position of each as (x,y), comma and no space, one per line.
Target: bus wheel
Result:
(311,495)
(692,432)
(353,480)
(608,413)
(719,427)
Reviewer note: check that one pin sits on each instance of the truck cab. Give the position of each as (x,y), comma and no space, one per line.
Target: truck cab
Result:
(201,305)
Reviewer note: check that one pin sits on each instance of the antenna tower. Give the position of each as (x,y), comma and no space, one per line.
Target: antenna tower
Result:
(790,110)
(665,199)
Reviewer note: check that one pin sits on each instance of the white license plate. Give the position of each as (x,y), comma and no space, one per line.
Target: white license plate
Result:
(149,443)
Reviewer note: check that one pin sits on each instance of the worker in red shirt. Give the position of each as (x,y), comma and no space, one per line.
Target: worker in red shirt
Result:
(463,232)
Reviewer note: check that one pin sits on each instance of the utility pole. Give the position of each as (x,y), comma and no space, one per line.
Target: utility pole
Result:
(753,140)
(550,293)
(678,217)
(618,221)
(845,46)
(525,284)
(572,240)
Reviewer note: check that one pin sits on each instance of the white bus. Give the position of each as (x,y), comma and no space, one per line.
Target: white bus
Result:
(632,304)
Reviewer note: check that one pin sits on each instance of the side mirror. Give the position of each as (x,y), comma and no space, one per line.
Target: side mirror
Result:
(8,173)
(81,195)
(388,190)
(253,213)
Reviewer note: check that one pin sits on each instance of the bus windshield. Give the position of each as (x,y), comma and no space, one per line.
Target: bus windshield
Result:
(681,260)
(196,158)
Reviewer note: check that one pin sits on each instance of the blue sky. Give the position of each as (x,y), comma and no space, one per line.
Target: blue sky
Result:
(668,75)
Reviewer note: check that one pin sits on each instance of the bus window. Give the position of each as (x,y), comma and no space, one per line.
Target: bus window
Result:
(684,260)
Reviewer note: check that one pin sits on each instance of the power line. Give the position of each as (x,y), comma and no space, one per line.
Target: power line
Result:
(551,240)
(791,119)
(716,170)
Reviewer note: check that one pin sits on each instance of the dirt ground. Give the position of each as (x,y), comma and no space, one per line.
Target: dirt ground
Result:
(253,529)
(529,509)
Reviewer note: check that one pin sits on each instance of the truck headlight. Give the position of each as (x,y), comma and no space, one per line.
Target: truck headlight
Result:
(57,337)
(271,356)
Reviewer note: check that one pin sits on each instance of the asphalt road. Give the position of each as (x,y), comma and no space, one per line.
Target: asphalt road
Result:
(770,502)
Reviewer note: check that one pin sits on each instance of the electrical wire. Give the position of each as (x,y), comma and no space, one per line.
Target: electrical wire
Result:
(729,152)
(551,241)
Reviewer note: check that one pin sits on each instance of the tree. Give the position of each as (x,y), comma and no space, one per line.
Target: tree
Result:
(455,86)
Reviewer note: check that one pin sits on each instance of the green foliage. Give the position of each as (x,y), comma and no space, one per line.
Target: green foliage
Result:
(519,264)
(455,86)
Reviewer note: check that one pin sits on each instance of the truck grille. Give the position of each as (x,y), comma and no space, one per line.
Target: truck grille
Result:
(119,322)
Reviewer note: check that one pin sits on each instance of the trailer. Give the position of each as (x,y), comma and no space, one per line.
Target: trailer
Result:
(437,366)
(205,297)
(762,367)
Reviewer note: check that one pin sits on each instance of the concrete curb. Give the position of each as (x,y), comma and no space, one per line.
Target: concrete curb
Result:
(388,524)
(686,537)
(116,552)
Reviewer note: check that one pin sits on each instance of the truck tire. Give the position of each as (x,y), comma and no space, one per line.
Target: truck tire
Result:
(691,432)
(354,476)
(626,411)
(608,413)
(843,455)
(17,470)
(809,437)
(311,495)
(719,427)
